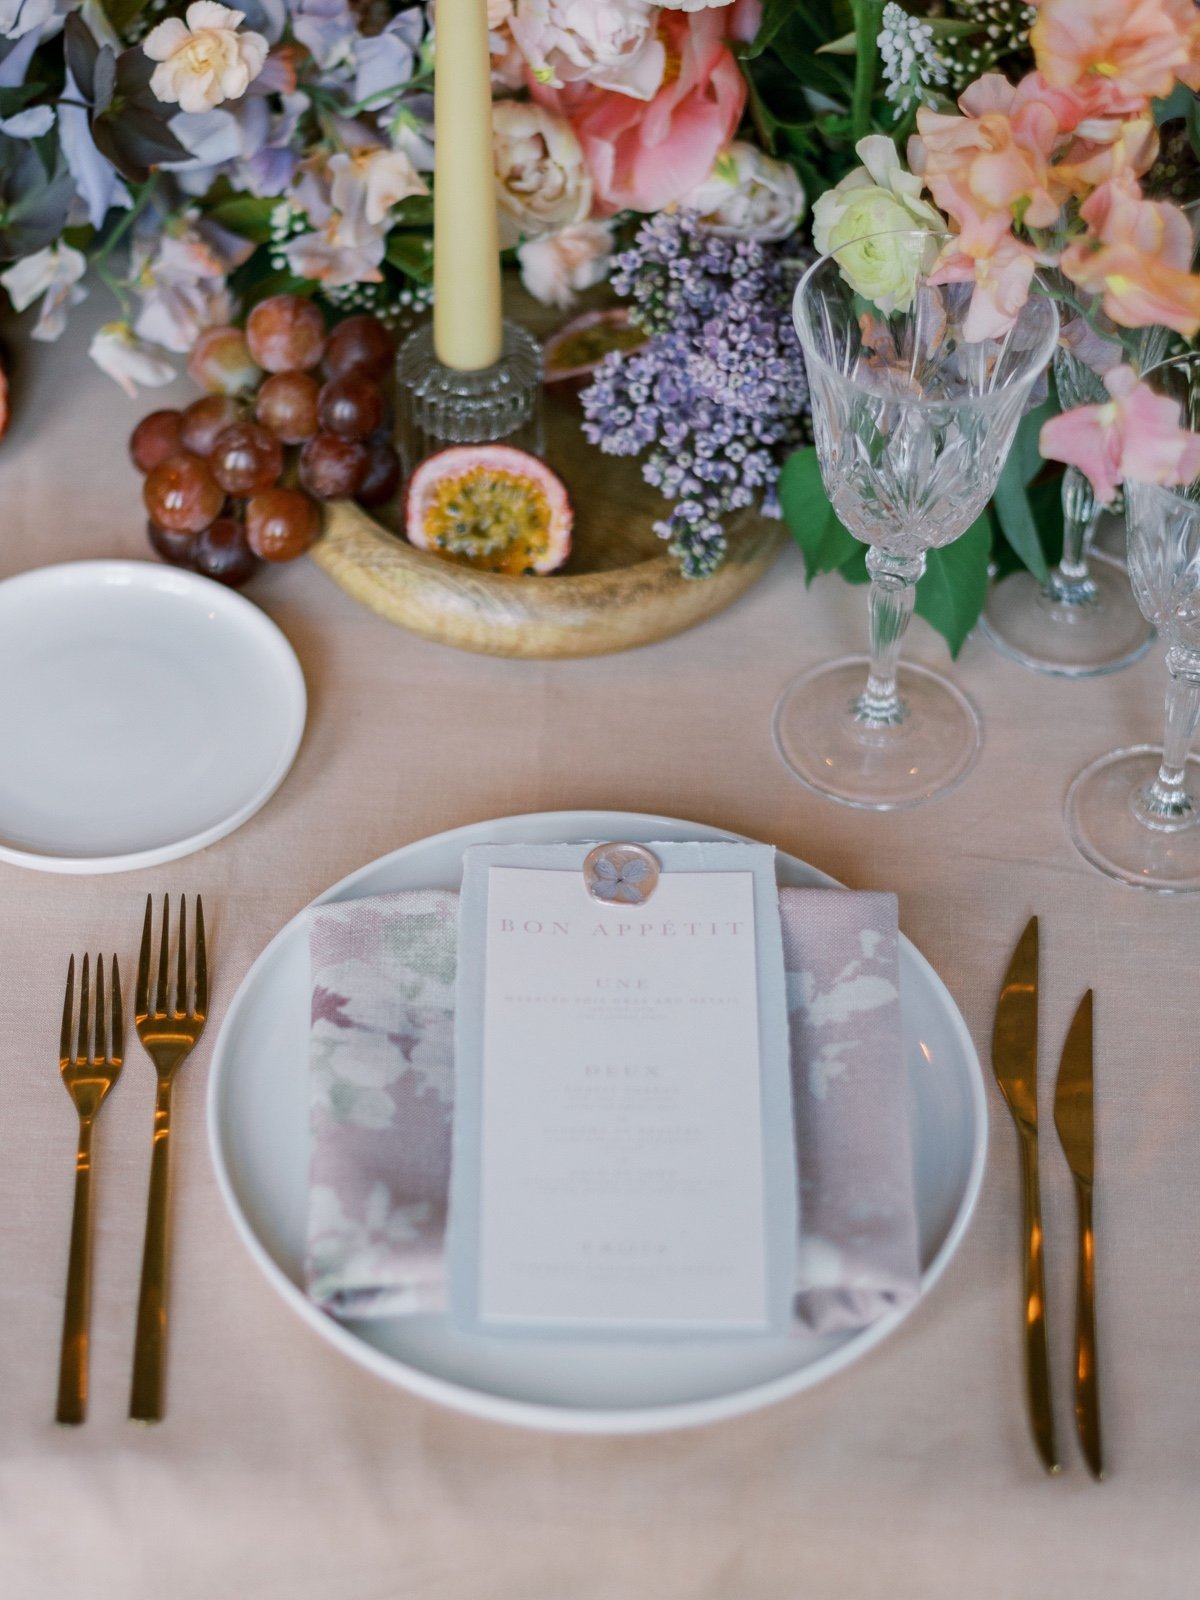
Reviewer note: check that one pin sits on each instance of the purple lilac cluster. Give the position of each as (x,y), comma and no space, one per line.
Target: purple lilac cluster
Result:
(718,396)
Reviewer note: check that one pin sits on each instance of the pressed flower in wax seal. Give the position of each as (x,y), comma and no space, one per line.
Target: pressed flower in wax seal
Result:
(621,874)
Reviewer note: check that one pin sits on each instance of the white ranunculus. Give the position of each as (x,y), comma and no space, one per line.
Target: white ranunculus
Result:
(611,43)
(204,60)
(542,180)
(875,224)
(127,360)
(51,275)
(747,195)
(556,266)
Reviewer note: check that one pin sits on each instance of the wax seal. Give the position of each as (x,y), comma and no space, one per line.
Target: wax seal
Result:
(621,874)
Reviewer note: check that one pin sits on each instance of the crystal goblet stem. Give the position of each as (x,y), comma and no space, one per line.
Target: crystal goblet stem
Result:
(890,604)
(1071,584)
(1165,803)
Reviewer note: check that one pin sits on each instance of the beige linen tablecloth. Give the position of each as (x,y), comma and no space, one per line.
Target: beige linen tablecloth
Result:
(283,1471)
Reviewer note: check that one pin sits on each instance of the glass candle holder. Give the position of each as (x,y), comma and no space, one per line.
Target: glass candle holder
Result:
(439,406)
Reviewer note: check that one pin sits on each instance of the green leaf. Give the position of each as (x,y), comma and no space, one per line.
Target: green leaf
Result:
(122,12)
(826,545)
(409,252)
(952,592)
(1017,522)
(81,50)
(246,214)
(17,98)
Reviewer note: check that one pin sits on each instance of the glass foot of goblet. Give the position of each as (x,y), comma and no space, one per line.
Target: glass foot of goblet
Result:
(1067,641)
(1106,827)
(877,768)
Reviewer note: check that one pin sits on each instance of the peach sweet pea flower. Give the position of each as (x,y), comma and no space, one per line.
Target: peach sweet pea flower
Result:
(611,43)
(644,156)
(1002,272)
(1118,53)
(1106,149)
(556,265)
(364,186)
(1135,434)
(204,60)
(993,159)
(1138,257)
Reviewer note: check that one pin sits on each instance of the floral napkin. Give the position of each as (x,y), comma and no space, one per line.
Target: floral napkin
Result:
(382,1105)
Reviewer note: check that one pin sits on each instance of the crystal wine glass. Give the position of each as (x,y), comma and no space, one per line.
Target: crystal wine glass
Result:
(1135,813)
(912,424)
(1083,621)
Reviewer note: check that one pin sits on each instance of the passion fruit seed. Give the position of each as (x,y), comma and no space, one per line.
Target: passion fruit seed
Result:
(590,345)
(481,513)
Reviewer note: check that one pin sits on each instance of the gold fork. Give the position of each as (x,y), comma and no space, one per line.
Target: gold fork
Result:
(88,1079)
(168,1034)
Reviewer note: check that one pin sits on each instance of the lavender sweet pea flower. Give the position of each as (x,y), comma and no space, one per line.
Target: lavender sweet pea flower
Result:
(19,17)
(96,179)
(15,59)
(31,123)
(386,61)
(327,27)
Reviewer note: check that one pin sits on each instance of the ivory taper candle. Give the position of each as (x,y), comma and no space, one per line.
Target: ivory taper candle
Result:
(466,248)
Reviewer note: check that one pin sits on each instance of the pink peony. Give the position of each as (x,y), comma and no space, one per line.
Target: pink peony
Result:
(643,157)
(1136,434)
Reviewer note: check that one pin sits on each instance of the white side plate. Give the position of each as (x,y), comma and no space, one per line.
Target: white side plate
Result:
(144,712)
(258,1133)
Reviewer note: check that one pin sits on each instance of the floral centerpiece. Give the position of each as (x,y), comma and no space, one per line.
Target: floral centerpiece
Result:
(199,159)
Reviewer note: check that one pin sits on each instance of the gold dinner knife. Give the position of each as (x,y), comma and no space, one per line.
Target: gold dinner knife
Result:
(1073,1117)
(1014,1061)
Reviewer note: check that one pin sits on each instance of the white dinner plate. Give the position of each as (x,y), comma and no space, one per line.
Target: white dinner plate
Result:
(144,712)
(258,1134)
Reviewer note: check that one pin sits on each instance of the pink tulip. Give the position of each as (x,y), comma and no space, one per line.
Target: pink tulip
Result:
(643,157)
(1136,434)
(1137,256)
(1118,53)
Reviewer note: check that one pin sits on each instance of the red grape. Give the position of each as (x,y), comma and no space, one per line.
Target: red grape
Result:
(382,477)
(246,458)
(281,524)
(351,406)
(360,344)
(174,547)
(154,439)
(221,362)
(287,404)
(221,552)
(181,494)
(286,333)
(332,468)
(205,419)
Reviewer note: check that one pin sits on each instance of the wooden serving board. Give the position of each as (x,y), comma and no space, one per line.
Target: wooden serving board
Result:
(620,587)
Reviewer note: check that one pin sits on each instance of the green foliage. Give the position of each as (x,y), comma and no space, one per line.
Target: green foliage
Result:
(128,122)
(245,214)
(951,594)
(36,190)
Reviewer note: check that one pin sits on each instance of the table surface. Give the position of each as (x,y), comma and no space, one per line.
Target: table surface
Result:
(282,1469)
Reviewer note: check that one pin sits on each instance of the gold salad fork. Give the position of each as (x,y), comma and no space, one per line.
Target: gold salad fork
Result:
(168,1032)
(88,1078)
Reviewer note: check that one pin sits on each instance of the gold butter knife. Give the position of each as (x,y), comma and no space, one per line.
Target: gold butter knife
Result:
(1073,1117)
(1014,1061)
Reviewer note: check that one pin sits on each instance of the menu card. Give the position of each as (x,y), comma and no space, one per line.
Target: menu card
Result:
(622,1142)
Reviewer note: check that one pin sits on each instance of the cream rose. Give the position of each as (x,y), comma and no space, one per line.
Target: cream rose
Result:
(204,60)
(542,182)
(878,228)
(747,195)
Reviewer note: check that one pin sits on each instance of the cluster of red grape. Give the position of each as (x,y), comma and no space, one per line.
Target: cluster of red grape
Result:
(221,491)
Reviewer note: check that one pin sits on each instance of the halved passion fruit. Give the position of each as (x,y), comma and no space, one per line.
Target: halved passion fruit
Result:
(491,507)
(570,356)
